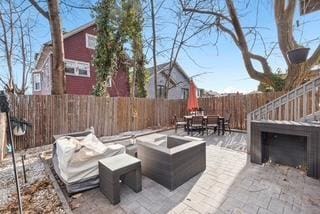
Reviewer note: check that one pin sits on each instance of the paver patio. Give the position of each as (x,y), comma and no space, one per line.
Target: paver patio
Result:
(230,184)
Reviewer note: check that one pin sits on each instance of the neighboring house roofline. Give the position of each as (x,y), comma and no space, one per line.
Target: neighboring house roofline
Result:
(182,71)
(65,36)
(40,55)
(164,66)
(75,31)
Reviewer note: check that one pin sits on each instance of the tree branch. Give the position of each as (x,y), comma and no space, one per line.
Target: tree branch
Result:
(284,20)
(194,10)
(77,6)
(40,9)
(173,59)
(246,55)
(7,51)
(228,31)
(263,61)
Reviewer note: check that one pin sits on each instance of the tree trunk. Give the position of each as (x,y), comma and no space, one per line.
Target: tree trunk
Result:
(154,50)
(3,132)
(299,74)
(58,74)
(133,83)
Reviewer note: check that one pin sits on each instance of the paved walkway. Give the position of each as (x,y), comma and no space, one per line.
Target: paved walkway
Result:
(229,185)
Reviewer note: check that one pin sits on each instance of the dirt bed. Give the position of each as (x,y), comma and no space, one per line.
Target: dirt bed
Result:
(38,197)
(38,193)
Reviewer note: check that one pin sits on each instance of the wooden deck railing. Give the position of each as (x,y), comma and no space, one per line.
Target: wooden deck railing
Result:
(300,104)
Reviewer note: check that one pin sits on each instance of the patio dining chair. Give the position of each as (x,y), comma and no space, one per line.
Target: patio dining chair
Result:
(226,124)
(196,123)
(211,123)
(193,113)
(179,122)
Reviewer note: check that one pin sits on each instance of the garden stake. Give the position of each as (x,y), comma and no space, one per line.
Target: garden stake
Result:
(23,157)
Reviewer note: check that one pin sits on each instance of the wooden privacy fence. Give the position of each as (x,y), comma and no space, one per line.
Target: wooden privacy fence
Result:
(53,114)
(237,105)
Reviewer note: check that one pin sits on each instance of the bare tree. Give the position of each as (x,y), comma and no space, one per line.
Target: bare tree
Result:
(226,19)
(25,58)
(173,33)
(53,16)
(178,41)
(15,45)
(154,51)
(182,38)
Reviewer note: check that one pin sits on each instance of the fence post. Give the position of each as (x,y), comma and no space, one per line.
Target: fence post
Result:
(313,102)
(248,132)
(304,106)
(286,108)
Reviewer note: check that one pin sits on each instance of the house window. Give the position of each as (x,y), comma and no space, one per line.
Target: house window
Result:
(91,41)
(161,91)
(36,82)
(109,82)
(70,67)
(83,69)
(185,93)
(77,68)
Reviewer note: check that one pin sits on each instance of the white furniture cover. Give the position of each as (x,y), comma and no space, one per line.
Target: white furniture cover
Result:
(77,157)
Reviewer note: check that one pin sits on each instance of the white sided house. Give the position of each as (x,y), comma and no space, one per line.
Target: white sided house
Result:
(179,82)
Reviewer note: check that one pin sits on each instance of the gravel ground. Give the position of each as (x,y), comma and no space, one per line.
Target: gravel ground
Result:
(39,195)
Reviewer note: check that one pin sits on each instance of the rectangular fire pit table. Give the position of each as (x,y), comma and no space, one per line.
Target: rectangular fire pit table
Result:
(171,160)
(120,167)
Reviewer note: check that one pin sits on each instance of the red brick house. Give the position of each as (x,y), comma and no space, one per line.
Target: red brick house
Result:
(79,49)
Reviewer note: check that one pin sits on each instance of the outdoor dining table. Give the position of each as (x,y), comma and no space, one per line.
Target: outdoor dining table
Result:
(188,119)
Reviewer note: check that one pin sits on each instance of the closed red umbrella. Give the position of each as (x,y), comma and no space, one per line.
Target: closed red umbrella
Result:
(192,99)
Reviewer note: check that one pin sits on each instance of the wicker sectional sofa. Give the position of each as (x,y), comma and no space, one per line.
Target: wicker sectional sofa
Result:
(171,160)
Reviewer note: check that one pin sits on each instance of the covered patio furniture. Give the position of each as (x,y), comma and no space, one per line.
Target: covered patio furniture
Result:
(212,122)
(196,124)
(171,160)
(179,122)
(75,159)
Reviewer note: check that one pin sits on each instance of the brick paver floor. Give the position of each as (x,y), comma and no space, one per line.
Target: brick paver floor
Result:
(230,184)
